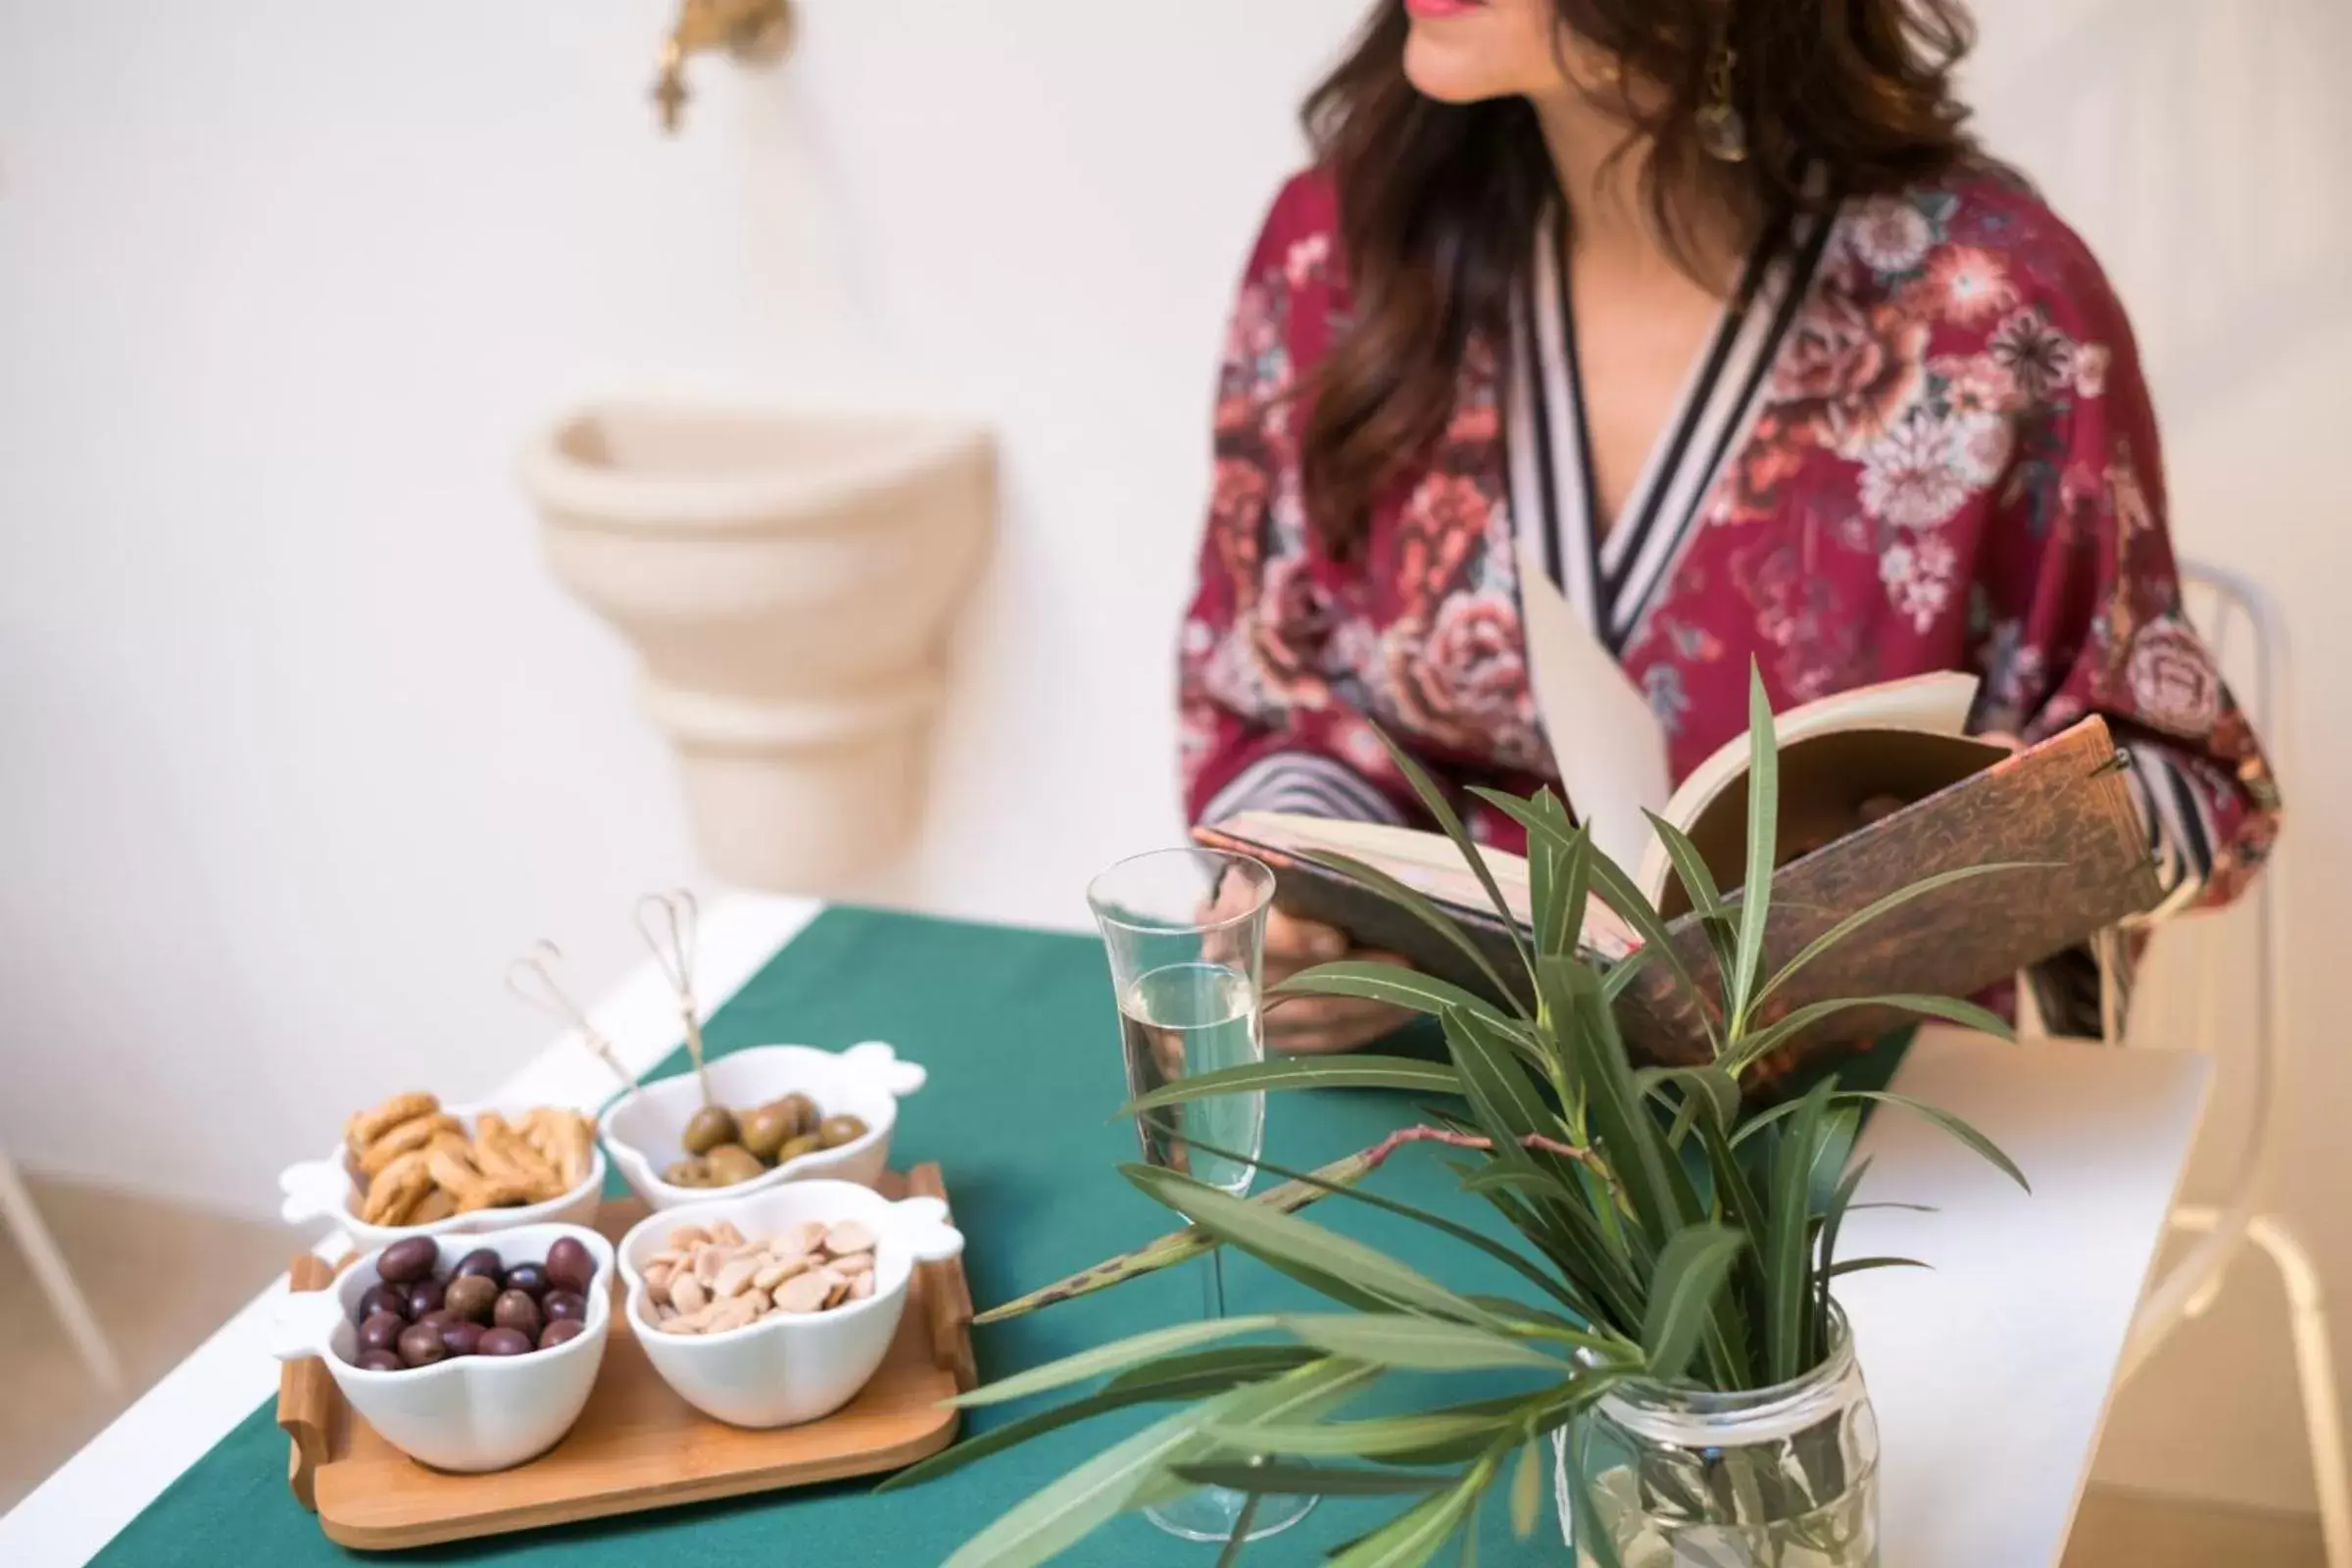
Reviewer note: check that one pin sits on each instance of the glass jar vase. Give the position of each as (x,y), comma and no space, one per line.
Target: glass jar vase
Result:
(1785,1477)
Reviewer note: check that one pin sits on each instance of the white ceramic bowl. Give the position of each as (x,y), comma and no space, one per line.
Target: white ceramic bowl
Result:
(788,1368)
(643,1130)
(472,1412)
(333,1188)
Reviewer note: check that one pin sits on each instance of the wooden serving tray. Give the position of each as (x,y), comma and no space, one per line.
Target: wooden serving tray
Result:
(637,1445)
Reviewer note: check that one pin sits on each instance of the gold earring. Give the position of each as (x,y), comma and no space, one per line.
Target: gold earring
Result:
(1722,129)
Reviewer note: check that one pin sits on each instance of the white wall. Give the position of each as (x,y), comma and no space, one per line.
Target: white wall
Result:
(302,744)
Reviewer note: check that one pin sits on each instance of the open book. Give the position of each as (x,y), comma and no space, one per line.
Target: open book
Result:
(1936,800)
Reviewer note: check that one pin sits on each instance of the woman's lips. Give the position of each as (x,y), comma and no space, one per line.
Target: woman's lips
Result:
(1440,10)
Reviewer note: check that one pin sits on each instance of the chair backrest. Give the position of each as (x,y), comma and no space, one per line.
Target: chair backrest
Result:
(2242,627)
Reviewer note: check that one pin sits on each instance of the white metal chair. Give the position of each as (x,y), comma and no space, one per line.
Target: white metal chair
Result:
(24,1220)
(2228,608)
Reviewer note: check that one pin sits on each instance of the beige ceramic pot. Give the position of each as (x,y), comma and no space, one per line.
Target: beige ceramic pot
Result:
(788,581)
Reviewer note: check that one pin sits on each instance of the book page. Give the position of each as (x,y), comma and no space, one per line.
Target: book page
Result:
(1935,704)
(1609,747)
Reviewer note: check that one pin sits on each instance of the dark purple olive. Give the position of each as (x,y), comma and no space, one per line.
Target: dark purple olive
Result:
(560,1330)
(570,1266)
(406,1262)
(438,1317)
(515,1309)
(528,1278)
(382,1361)
(381,1331)
(460,1338)
(504,1342)
(382,1298)
(420,1345)
(558,1306)
(481,1260)
(470,1296)
(426,1296)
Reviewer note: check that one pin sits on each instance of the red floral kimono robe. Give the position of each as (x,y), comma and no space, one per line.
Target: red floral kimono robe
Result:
(1919,441)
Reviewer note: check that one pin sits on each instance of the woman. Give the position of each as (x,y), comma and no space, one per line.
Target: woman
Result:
(1712,306)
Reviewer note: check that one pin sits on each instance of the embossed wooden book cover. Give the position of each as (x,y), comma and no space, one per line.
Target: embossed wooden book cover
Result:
(2063,803)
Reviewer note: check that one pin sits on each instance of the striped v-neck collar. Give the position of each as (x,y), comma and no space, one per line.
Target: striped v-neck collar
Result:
(1611,581)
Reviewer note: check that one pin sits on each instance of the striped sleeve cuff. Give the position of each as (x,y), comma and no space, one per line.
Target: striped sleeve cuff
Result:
(2180,828)
(1305,783)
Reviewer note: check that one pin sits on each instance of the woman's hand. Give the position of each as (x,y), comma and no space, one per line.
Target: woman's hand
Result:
(1308,1025)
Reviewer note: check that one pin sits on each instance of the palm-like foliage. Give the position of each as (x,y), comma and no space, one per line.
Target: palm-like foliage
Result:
(1670,1233)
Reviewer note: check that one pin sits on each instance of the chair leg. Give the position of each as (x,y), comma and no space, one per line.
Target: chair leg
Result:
(2315,1368)
(56,1280)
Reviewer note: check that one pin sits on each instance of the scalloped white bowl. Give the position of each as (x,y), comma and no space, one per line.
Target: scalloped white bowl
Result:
(643,1130)
(333,1187)
(788,1368)
(472,1412)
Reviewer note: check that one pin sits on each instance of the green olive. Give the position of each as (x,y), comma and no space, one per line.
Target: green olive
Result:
(836,1131)
(708,1128)
(802,1113)
(765,1130)
(795,1147)
(731,1163)
(692,1172)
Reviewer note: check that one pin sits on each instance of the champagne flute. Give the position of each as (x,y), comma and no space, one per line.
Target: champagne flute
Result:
(1186,934)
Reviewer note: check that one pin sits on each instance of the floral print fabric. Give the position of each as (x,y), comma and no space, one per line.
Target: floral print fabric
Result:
(1953,465)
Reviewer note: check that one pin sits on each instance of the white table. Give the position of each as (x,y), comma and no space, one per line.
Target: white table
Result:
(1991,1376)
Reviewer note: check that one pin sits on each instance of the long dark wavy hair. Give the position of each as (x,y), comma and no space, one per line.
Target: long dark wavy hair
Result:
(1438,202)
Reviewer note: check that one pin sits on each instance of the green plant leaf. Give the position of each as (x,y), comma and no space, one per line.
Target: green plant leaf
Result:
(1314,1481)
(1833,1219)
(1211,1371)
(1059,1514)
(1063,1512)
(1706,899)
(1116,1356)
(1392,982)
(1369,1438)
(1527,1489)
(1887,905)
(1544,890)
(1562,1292)
(1503,1099)
(1944,1119)
(1620,893)
(1179,1377)
(1442,809)
(1709,1088)
(1856,1265)
(1422,908)
(1788,1230)
(1619,1119)
(1303,1072)
(1413,1537)
(1183,1245)
(1755,1046)
(1689,1276)
(1347,1270)
(1763,840)
(1951,1124)
(1838,1130)
(1417,1344)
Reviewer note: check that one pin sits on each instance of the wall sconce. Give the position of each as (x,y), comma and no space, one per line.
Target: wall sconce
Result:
(753,32)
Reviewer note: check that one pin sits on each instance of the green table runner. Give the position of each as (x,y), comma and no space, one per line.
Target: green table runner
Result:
(1018,1031)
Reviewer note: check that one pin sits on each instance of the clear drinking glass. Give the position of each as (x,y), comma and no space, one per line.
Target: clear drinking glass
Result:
(1186,932)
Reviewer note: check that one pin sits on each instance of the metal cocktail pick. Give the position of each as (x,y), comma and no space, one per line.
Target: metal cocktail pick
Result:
(673,951)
